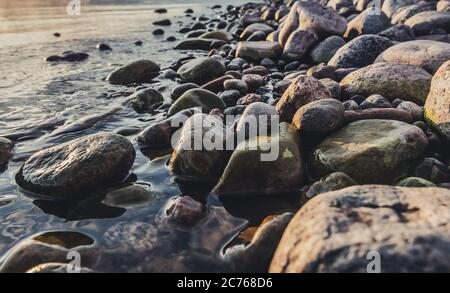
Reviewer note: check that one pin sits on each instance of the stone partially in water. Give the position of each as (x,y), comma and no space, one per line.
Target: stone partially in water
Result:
(369,151)
(303,90)
(203,44)
(144,99)
(393,81)
(181,89)
(131,196)
(201,70)
(323,115)
(337,231)
(69,56)
(332,182)
(218,35)
(197,98)
(264,165)
(6,147)
(437,106)
(184,211)
(79,166)
(256,51)
(135,72)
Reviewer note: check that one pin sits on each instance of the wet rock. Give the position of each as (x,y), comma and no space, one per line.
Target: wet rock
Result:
(378,113)
(429,55)
(196,33)
(350,105)
(260,70)
(433,170)
(160,134)
(303,90)
(249,99)
(129,197)
(310,15)
(138,43)
(298,43)
(321,71)
(135,72)
(360,52)
(144,99)
(235,110)
(169,74)
(415,182)
(253,81)
(367,22)
(256,120)
(171,39)
(181,89)
(257,36)
(256,51)
(323,115)
(369,151)
(103,47)
(332,86)
(184,211)
(332,182)
(437,106)
(216,85)
(375,101)
(195,44)
(415,110)
(424,23)
(264,165)
(164,22)
(201,70)
(158,32)
(236,84)
(401,15)
(398,33)
(256,27)
(406,82)
(69,56)
(337,232)
(6,147)
(230,97)
(323,51)
(161,10)
(197,98)
(193,162)
(218,35)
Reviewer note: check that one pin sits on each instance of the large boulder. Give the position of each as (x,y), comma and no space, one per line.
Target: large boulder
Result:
(201,70)
(82,165)
(365,228)
(437,106)
(256,51)
(427,54)
(310,15)
(367,22)
(369,151)
(360,52)
(402,81)
(424,23)
(264,165)
(303,90)
(135,72)
(197,98)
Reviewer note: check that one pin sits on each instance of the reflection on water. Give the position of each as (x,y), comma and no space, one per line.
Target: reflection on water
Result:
(44,104)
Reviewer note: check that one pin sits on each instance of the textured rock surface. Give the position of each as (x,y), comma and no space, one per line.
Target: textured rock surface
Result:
(135,72)
(323,51)
(367,22)
(425,22)
(201,70)
(319,116)
(334,232)
(197,98)
(5,150)
(256,51)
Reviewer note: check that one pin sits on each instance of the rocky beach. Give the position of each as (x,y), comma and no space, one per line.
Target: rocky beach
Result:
(329,121)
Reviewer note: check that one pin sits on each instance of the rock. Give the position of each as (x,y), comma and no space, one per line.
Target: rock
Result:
(389,7)
(424,23)
(184,211)
(236,84)
(135,72)
(158,32)
(6,147)
(192,160)
(82,165)
(340,231)
(253,81)
(398,33)
(369,151)
(415,110)
(321,71)
(323,51)
(367,22)
(138,43)
(343,72)
(298,43)
(195,44)
(181,89)
(237,64)
(218,35)
(264,165)
(375,101)
(197,98)
(131,196)
(415,182)
(332,182)
(171,39)
(401,15)
(57,268)
(303,90)
(144,99)
(257,36)
(161,10)
(360,52)
(161,134)
(164,22)
(234,110)
(310,15)
(103,47)
(201,70)
(378,113)
(249,99)
(323,115)
(402,81)
(259,70)
(256,51)
(437,106)
(230,97)
(443,5)
(429,55)
(350,105)
(433,170)
(256,120)
(256,27)
(69,56)
(332,86)
(216,85)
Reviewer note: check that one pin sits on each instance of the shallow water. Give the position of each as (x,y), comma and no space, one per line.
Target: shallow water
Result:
(44,104)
